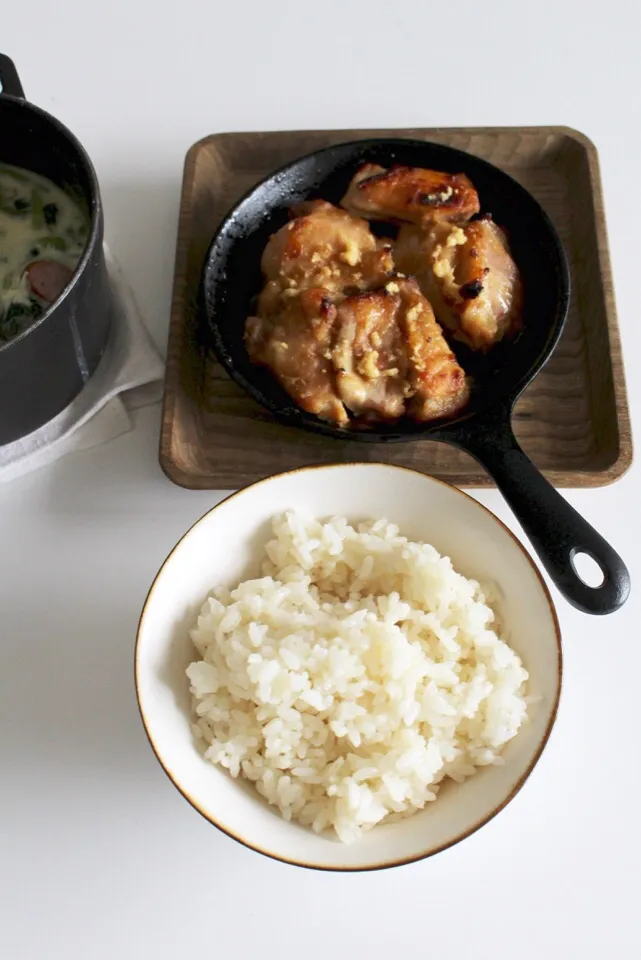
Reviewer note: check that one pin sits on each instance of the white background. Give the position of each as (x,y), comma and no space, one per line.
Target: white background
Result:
(99,855)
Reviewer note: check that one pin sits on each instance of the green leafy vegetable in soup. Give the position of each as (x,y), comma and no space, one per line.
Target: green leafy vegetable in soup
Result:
(43,234)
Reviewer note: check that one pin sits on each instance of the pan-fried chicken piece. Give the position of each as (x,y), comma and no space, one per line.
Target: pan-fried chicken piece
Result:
(440,387)
(380,354)
(322,247)
(341,332)
(370,355)
(391,356)
(468,275)
(295,345)
(410,195)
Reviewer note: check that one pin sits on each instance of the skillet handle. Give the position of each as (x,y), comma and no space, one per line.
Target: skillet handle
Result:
(9,79)
(556,531)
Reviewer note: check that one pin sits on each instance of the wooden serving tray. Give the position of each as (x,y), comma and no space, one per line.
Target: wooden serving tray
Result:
(573,420)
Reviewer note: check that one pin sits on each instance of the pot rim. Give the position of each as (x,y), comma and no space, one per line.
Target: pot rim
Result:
(95,213)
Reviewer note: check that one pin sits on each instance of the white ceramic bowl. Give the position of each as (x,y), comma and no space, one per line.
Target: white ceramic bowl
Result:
(222,547)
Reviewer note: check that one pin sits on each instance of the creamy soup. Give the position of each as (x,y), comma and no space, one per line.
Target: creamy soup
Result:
(43,233)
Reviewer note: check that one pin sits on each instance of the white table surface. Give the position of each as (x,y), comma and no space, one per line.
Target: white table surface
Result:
(99,855)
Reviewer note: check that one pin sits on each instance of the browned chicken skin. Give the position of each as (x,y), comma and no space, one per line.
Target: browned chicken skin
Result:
(314,260)
(468,275)
(391,356)
(296,346)
(341,332)
(322,247)
(370,356)
(440,387)
(410,195)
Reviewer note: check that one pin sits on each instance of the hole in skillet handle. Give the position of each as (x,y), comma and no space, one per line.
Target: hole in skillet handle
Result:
(9,80)
(587,568)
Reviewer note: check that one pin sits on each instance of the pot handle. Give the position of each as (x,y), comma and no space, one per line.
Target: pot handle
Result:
(9,79)
(556,531)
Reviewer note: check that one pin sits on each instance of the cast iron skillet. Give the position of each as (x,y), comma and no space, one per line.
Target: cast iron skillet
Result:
(231,278)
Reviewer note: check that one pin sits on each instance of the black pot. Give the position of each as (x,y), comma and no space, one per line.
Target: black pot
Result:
(43,369)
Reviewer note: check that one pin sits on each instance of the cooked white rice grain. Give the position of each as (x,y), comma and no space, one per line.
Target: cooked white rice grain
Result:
(354,676)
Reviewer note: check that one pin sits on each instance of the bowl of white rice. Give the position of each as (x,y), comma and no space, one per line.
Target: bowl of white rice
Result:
(348,667)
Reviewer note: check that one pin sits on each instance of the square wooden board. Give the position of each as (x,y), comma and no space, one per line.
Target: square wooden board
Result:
(573,420)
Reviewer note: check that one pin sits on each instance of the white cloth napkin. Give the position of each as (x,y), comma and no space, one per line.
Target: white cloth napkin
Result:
(129,375)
